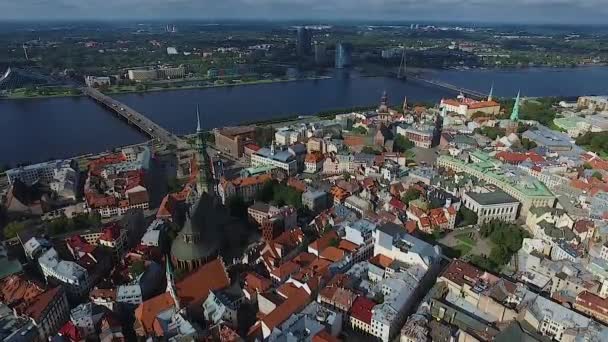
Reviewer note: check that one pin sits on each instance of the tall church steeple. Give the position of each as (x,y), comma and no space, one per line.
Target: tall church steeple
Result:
(491,94)
(515,112)
(171,284)
(204,175)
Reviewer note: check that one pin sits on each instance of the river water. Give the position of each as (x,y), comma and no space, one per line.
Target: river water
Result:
(39,129)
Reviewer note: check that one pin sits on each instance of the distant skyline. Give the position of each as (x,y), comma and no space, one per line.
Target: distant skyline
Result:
(501,11)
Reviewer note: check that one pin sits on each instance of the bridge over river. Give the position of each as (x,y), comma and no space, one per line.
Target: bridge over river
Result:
(133,117)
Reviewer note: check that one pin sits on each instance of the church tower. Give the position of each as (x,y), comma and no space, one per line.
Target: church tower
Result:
(515,112)
(491,94)
(171,284)
(513,123)
(204,176)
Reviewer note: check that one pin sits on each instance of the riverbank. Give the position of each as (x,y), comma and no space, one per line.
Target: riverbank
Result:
(116,90)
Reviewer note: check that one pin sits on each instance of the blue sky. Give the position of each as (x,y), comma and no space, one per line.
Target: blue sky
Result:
(523,11)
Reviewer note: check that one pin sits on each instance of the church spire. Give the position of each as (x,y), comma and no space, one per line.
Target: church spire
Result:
(491,92)
(515,112)
(198,120)
(171,283)
(202,184)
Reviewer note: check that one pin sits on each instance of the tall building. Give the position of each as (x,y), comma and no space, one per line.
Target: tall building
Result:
(304,41)
(320,53)
(344,53)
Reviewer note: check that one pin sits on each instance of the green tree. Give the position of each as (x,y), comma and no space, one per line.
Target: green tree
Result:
(597,175)
(13,228)
(528,144)
(410,195)
(359,130)
(402,143)
(370,150)
(466,216)
(174,185)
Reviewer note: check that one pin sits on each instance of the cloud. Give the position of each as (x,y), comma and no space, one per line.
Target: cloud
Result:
(571,11)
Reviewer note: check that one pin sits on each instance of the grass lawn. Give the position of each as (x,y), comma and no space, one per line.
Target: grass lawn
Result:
(464,238)
(463,249)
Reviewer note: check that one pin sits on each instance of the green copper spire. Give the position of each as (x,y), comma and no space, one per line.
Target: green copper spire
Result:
(515,112)
(202,184)
(490,95)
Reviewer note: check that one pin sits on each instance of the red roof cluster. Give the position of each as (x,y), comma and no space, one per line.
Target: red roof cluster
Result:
(362,309)
(518,158)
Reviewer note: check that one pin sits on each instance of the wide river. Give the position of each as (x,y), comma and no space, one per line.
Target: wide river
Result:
(34,130)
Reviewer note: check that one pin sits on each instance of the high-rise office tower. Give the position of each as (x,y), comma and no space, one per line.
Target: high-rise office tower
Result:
(304,41)
(344,53)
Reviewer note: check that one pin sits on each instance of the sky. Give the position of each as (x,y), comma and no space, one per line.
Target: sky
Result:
(502,11)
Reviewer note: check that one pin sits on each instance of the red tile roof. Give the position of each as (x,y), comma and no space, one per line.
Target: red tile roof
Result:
(517,158)
(192,290)
(381,260)
(296,302)
(362,309)
(256,282)
(332,253)
(324,336)
(38,309)
(16,289)
(592,302)
(324,241)
(348,246)
(461,272)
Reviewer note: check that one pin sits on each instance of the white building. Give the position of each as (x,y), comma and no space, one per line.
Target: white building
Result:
(68,273)
(41,172)
(130,294)
(393,241)
(497,205)
(280,159)
(286,137)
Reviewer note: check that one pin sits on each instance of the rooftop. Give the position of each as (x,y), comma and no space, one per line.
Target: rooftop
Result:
(491,198)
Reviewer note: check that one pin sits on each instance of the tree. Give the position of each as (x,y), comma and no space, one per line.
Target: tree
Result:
(528,144)
(467,216)
(410,195)
(597,175)
(13,228)
(402,143)
(359,130)
(370,150)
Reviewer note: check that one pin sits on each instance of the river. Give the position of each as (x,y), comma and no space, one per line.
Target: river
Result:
(39,129)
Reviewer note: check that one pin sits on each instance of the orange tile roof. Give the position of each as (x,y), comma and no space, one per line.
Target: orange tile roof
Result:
(483,104)
(381,260)
(461,272)
(285,270)
(332,253)
(324,336)
(37,309)
(16,289)
(147,311)
(192,290)
(256,282)
(314,157)
(348,246)
(293,304)
(195,287)
(324,241)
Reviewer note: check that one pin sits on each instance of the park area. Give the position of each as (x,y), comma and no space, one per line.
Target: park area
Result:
(489,246)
